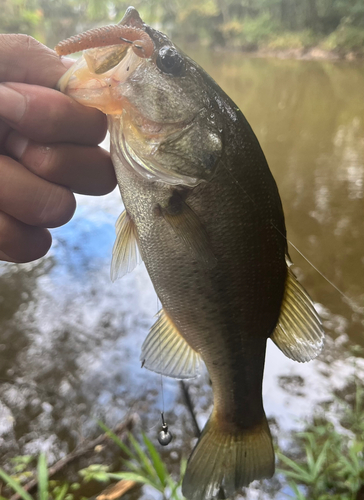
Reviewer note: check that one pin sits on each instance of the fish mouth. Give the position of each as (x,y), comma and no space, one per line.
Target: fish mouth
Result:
(87,85)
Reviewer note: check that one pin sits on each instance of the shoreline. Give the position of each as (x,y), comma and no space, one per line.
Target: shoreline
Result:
(304,54)
(311,54)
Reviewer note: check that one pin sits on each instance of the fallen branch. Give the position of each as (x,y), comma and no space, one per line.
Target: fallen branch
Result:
(81,450)
(116,490)
(188,402)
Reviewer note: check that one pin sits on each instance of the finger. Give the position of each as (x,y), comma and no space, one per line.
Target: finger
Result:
(4,131)
(20,242)
(46,115)
(33,200)
(83,169)
(24,59)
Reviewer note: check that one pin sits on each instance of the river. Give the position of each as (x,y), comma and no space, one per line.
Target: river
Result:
(70,339)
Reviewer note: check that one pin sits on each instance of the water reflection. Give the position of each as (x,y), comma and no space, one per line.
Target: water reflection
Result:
(70,339)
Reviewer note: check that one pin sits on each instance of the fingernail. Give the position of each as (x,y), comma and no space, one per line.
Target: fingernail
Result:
(12,104)
(16,144)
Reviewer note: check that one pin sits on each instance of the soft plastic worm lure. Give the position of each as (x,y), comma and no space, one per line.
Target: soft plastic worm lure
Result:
(113,34)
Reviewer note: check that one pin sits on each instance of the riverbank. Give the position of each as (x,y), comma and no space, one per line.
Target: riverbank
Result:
(345,43)
(314,53)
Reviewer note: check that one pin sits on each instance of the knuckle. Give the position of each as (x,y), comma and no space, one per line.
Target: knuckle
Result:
(42,160)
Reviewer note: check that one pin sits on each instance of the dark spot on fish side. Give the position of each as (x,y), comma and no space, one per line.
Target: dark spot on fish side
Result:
(175,203)
(127,69)
(157,211)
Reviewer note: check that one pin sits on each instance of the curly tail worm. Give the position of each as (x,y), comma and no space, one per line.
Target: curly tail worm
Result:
(113,34)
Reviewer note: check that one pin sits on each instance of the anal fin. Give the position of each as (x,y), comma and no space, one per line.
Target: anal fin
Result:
(125,253)
(299,333)
(165,351)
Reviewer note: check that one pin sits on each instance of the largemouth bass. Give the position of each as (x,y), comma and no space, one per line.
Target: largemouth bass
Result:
(203,211)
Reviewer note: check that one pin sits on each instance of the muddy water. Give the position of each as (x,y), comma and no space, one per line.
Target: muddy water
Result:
(70,339)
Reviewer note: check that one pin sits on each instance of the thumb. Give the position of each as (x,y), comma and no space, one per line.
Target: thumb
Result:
(24,59)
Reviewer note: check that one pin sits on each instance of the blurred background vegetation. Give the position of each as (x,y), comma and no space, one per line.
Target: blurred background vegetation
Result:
(273,25)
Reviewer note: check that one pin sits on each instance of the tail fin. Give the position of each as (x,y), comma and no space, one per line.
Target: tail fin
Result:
(228,459)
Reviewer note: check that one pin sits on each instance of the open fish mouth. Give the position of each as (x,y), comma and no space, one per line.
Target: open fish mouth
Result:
(87,85)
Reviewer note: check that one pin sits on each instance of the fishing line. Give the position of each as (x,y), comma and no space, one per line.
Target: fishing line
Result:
(160,357)
(164,436)
(348,300)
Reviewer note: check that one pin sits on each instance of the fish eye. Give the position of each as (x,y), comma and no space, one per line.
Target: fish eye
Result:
(170,61)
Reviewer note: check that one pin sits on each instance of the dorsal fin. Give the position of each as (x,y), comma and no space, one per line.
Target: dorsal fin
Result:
(299,333)
(132,18)
(165,351)
(125,253)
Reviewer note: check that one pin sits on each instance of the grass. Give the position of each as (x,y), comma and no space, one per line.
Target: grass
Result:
(144,463)
(146,466)
(326,464)
(329,465)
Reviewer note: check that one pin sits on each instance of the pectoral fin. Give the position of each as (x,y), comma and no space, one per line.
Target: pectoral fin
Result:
(299,333)
(125,253)
(188,227)
(165,351)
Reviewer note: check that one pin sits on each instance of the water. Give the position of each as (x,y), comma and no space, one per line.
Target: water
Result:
(70,339)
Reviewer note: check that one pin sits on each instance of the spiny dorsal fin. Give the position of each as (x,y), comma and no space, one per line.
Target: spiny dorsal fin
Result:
(165,351)
(299,333)
(188,227)
(229,458)
(125,253)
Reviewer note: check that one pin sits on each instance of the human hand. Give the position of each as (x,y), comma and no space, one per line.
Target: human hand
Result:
(48,149)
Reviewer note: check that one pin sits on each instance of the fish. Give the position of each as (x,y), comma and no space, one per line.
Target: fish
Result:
(203,212)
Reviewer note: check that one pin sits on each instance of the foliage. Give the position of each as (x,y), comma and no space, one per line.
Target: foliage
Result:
(329,465)
(293,40)
(146,467)
(345,39)
(336,25)
(47,490)
(250,33)
(326,464)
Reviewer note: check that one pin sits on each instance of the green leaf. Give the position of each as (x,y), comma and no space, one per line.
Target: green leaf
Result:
(300,471)
(42,478)
(14,485)
(22,459)
(95,472)
(143,458)
(139,478)
(297,492)
(62,493)
(321,458)
(116,440)
(131,465)
(156,460)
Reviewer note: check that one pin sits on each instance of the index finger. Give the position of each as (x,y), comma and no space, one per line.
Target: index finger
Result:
(24,59)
